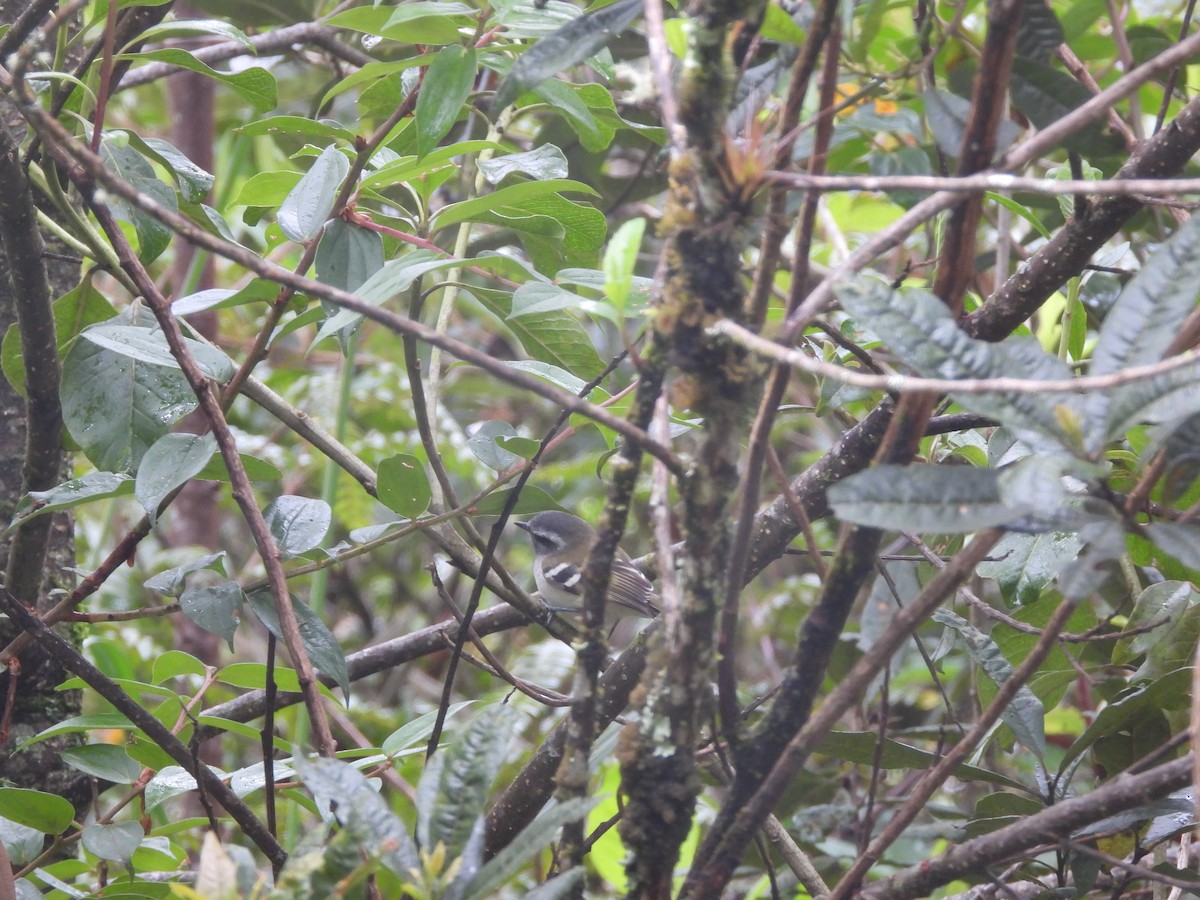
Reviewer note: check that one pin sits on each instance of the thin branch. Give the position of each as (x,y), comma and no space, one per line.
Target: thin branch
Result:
(998,181)
(71,660)
(1020,156)
(1123,792)
(915,384)
(277,41)
(75,156)
(933,779)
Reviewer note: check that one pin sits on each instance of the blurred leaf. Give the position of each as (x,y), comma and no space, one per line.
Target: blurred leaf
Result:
(48,813)
(215,608)
(132,168)
(361,811)
(323,649)
(448,82)
(403,487)
(255,85)
(194,183)
(452,792)
(553,337)
(1025,714)
(918,326)
(149,345)
(1143,323)
(1024,564)
(620,260)
(862,747)
(170,463)
(298,524)
(116,842)
(1169,691)
(483,444)
(348,255)
(572,43)
(1044,95)
(1039,33)
(307,207)
(1162,604)
(531,841)
(69,494)
(104,761)
(533,500)
(543,163)
(80,307)
(938,499)
(425,22)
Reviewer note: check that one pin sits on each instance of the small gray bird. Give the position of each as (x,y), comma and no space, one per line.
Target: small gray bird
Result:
(561,543)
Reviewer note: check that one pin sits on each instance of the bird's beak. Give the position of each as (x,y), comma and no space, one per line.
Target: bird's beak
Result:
(524,526)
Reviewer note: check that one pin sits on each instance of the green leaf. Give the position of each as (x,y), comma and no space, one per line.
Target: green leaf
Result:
(215,608)
(862,748)
(1039,33)
(403,487)
(452,792)
(558,377)
(132,168)
(170,582)
(448,82)
(551,337)
(532,500)
(307,207)
(778,26)
(80,307)
(1025,715)
(511,200)
(116,407)
(362,812)
(77,724)
(1162,604)
(1024,564)
(620,260)
(149,345)
(48,813)
(919,327)
(298,524)
(348,255)
(1169,692)
(189,27)
(396,276)
(323,649)
(115,842)
(256,469)
(194,183)
(170,463)
(530,842)
(572,43)
(69,494)
(104,761)
(483,444)
(266,189)
(542,164)
(947,115)
(1166,397)
(1044,95)
(1141,325)
(255,85)
(922,498)
(537,297)
(428,22)
(175,663)
(417,732)
(254,675)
